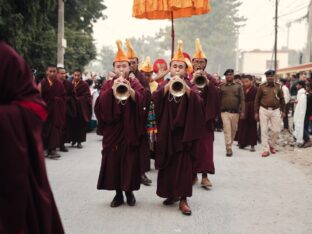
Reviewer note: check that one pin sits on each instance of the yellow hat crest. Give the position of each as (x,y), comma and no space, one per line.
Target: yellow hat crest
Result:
(199,54)
(130,53)
(120,56)
(146,65)
(179,54)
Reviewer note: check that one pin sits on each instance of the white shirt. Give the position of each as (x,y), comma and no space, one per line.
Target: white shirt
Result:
(299,115)
(286,94)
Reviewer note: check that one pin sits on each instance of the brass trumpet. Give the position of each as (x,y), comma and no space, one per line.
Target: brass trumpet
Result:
(177,87)
(200,80)
(121,91)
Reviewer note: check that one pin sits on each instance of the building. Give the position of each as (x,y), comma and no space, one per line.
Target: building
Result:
(256,62)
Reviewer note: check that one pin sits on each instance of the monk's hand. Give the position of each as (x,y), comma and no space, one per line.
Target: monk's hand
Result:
(126,82)
(198,73)
(131,76)
(116,82)
(111,75)
(257,117)
(167,86)
(283,115)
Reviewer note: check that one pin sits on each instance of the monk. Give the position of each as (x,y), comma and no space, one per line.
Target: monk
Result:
(247,127)
(27,204)
(121,122)
(146,69)
(204,147)
(180,123)
(83,102)
(160,69)
(145,153)
(70,107)
(53,93)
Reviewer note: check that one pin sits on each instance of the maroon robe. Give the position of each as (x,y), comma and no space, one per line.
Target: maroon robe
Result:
(247,127)
(83,100)
(144,146)
(204,147)
(71,110)
(27,204)
(180,124)
(55,98)
(121,129)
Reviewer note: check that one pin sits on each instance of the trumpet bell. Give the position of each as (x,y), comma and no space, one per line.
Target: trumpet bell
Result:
(177,88)
(122,92)
(200,81)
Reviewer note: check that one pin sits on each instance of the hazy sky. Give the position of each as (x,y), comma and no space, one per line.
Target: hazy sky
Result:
(258,32)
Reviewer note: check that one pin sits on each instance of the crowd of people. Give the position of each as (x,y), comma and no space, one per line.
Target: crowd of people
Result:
(166,112)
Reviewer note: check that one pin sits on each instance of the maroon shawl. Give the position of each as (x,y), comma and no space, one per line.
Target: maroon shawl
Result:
(179,124)
(27,204)
(83,100)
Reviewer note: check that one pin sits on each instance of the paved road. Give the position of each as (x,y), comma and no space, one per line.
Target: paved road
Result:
(250,194)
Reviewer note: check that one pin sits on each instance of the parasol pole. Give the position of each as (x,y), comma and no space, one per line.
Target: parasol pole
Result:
(172,35)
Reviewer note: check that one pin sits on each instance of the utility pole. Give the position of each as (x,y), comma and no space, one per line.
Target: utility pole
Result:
(61,42)
(308,52)
(276,30)
(288,25)
(237,52)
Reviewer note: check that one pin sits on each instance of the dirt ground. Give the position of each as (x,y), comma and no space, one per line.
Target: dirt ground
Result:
(301,158)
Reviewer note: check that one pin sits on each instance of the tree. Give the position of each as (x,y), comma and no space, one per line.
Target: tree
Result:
(217,31)
(106,58)
(149,46)
(31,28)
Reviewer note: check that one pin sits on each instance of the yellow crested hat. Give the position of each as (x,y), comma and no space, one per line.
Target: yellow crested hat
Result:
(130,53)
(179,54)
(120,56)
(199,54)
(146,65)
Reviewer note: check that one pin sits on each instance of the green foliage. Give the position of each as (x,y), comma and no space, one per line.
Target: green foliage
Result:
(81,51)
(149,46)
(30,26)
(106,58)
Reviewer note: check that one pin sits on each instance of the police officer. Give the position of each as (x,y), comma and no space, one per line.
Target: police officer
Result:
(232,108)
(269,108)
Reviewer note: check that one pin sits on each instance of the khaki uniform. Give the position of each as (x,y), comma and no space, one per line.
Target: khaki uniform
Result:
(232,103)
(269,103)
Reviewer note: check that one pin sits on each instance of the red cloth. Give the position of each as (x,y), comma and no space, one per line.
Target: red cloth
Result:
(39,110)
(71,111)
(27,204)
(83,103)
(186,55)
(121,129)
(159,61)
(180,124)
(204,147)
(247,127)
(55,98)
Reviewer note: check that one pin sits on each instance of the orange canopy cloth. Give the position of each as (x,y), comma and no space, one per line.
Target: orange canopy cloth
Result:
(167,9)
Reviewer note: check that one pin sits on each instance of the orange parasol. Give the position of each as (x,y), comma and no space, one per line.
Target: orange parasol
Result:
(169,9)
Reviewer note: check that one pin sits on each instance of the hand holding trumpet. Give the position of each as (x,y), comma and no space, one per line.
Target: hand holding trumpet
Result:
(177,87)
(200,79)
(122,89)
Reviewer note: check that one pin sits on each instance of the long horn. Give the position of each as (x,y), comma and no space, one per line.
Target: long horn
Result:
(177,88)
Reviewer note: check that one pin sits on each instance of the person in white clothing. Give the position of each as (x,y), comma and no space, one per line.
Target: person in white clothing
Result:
(286,94)
(300,111)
